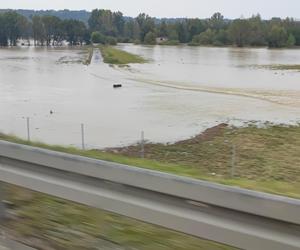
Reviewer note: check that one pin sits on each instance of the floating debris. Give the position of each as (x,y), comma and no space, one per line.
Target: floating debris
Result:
(117,86)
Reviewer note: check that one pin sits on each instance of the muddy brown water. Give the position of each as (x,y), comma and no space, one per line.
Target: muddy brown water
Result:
(180,92)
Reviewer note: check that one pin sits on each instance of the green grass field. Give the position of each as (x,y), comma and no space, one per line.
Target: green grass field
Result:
(112,55)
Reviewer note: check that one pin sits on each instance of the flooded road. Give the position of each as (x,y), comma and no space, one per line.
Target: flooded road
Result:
(179,93)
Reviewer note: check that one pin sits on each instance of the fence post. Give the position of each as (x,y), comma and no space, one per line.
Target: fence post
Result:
(82,137)
(28,128)
(142,144)
(233,160)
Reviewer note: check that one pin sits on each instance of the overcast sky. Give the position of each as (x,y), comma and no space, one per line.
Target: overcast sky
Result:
(170,8)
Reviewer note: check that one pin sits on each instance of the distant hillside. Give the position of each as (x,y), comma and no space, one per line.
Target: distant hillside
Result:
(81,15)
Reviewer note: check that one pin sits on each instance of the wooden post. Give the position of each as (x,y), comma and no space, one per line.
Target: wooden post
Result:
(82,137)
(28,128)
(233,161)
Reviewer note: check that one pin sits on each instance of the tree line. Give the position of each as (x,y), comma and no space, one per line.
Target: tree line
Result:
(44,30)
(105,26)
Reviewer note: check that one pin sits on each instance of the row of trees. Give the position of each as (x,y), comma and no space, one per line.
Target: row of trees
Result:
(44,30)
(105,26)
(12,27)
(213,31)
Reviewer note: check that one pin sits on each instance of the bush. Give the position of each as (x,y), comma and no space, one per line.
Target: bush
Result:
(97,37)
(291,41)
(150,38)
(124,40)
(204,38)
(218,43)
(111,40)
(137,41)
(194,44)
(171,42)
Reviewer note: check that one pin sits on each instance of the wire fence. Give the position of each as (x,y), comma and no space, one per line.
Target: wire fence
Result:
(142,148)
(269,152)
(82,144)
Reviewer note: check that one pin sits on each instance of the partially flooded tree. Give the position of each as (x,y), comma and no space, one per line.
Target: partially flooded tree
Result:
(12,27)
(217,31)
(150,38)
(74,31)
(3,31)
(146,25)
(239,32)
(38,30)
(52,29)
(277,37)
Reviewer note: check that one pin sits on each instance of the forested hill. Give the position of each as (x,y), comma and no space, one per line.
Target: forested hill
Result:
(81,15)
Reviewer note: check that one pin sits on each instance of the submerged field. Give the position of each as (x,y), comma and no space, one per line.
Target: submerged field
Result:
(186,89)
(279,67)
(266,159)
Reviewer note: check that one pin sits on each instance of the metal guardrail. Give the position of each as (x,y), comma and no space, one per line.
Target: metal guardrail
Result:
(233,216)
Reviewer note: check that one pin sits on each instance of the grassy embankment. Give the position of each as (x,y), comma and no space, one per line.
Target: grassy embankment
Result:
(267,159)
(116,56)
(88,59)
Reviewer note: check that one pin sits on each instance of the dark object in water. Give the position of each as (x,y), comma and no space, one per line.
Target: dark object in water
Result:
(117,85)
(51,112)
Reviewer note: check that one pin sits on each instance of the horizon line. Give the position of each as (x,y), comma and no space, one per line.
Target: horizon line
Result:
(158,17)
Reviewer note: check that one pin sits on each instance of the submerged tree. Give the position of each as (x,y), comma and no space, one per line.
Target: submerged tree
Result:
(53,29)
(38,31)
(12,28)
(3,31)
(74,31)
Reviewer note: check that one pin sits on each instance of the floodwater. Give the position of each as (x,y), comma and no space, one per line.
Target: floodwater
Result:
(180,92)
